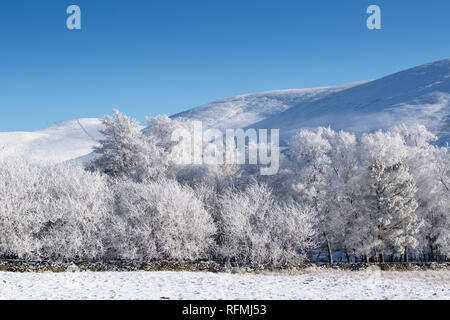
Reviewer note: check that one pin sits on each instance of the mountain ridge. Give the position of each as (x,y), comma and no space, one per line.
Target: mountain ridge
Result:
(419,95)
(242,110)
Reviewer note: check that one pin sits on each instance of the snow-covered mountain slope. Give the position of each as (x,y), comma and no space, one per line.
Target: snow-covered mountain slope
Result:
(58,143)
(244,110)
(420,95)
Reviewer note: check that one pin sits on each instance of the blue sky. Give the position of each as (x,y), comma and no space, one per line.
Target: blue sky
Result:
(149,57)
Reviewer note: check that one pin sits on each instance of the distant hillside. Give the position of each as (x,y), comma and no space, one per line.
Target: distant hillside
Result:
(244,110)
(420,95)
(57,143)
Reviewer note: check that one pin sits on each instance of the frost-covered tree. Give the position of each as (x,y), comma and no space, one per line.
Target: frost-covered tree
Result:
(253,228)
(392,208)
(341,192)
(121,146)
(151,199)
(126,152)
(52,212)
(167,134)
(335,173)
(75,207)
(430,168)
(160,220)
(439,217)
(187,157)
(391,203)
(310,163)
(19,213)
(320,165)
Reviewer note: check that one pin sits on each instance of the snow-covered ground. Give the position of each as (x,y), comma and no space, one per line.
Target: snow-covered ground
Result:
(315,284)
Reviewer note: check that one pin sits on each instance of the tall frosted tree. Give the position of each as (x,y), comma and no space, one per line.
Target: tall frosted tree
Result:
(309,152)
(430,167)
(392,207)
(343,192)
(121,147)
(126,152)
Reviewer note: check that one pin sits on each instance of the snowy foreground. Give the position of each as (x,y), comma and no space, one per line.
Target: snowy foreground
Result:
(314,284)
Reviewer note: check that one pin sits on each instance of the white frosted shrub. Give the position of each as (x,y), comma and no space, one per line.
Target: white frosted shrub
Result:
(19,216)
(254,229)
(51,212)
(75,213)
(161,220)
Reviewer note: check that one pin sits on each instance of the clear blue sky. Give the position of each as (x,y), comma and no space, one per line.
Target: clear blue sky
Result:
(149,57)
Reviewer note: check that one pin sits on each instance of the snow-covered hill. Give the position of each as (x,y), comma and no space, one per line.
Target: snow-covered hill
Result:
(76,139)
(58,143)
(244,110)
(420,95)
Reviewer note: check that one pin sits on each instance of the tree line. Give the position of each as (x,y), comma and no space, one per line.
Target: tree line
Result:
(381,196)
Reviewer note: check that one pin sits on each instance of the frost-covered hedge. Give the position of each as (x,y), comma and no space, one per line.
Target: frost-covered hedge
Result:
(52,212)
(160,220)
(63,213)
(381,196)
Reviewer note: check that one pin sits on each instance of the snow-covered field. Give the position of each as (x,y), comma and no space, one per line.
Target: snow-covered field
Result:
(315,284)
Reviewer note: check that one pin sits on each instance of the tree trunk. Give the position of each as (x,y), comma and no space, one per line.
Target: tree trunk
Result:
(348,256)
(432,258)
(366,257)
(406,254)
(330,255)
(381,257)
